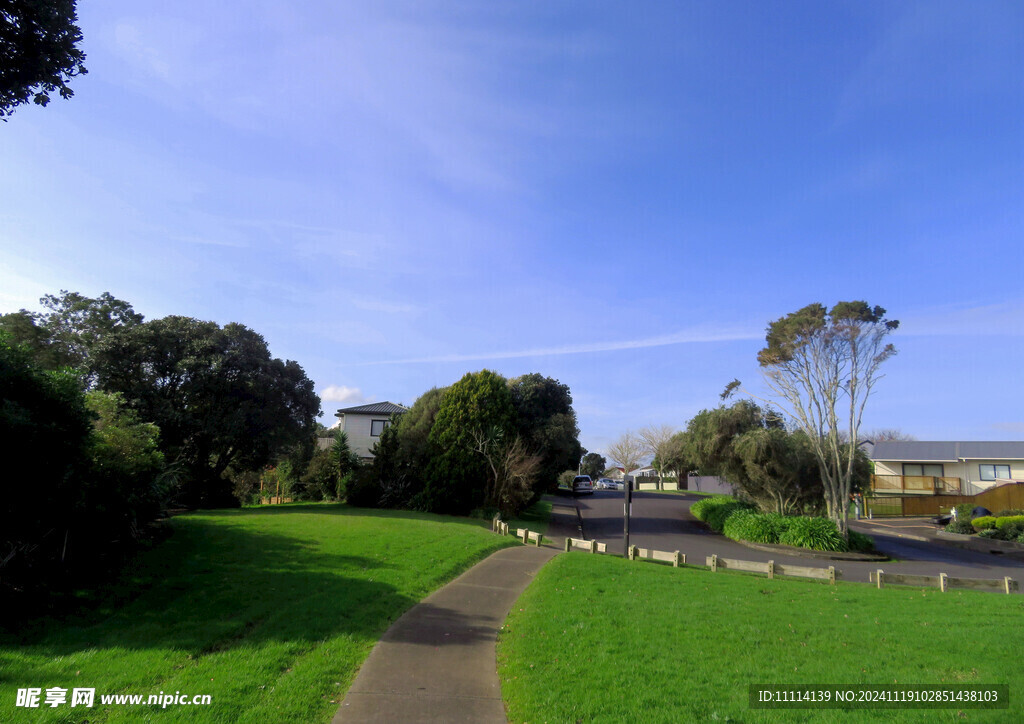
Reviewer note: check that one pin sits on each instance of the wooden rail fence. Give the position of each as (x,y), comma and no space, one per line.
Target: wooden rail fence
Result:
(944,582)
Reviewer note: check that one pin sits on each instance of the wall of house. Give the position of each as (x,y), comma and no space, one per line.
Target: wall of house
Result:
(358,429)
(968,472)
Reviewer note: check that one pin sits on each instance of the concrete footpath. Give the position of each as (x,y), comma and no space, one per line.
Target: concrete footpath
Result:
(437,662)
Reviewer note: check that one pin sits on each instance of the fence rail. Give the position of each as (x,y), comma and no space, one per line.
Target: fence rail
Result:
(944,582)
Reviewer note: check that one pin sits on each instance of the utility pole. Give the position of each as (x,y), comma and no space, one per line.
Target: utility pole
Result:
(627,509)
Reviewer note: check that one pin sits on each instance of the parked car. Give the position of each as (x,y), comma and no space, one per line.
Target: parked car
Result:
(607,484)
(582,484)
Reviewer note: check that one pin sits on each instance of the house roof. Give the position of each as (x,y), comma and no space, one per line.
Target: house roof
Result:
(376,408)
(921,450)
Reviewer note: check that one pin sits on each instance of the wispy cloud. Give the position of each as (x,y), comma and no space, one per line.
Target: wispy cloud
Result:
(345,395)
(695,335)
(987,319)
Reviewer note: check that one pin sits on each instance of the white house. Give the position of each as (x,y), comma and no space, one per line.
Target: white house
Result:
(915,466)
(364,423)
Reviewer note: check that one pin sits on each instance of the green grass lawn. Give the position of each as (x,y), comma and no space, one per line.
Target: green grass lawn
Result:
(600,639)
(536,518)
(269,610)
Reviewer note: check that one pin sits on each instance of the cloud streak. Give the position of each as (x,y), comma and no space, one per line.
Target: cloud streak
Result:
(697,335)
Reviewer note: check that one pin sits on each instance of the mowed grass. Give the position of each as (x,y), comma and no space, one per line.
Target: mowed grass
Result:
(600,639)
(536,518)
(271,611)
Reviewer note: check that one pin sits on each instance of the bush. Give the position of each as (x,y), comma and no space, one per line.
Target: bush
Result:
(991,533)
(1020,539)
(961,526)
(361,488)
(1009,512)
(860,543)
(716,510)
(754,527)
(818,534)
(1010,531)
(700,508)
(985,522)
(1004,521)
(963,511)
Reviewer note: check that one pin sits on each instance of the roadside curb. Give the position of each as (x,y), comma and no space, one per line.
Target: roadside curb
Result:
(820,555)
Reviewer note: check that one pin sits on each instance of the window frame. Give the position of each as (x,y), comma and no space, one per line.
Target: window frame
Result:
(923,474)
(995,472)
(384,425)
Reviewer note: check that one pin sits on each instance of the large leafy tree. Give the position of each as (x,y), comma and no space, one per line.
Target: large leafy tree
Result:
(66,334)
(39,51)
(593,464)
(479,403)
(546,423)
(822,365)
(217,395)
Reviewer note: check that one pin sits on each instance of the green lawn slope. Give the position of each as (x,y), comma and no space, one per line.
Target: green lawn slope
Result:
(271,611)
(600,639)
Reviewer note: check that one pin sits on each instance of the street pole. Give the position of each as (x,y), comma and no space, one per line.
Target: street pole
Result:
(627,505)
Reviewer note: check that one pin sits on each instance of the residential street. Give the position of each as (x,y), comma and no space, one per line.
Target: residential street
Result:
(663,521)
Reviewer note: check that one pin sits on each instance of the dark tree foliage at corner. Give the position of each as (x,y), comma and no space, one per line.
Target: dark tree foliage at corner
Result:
(547,424)
(218,397)
(39,51)
(593,464)
(456,476)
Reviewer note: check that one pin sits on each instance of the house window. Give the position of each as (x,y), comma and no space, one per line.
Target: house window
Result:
(377,427)
(933,470)
(994,472)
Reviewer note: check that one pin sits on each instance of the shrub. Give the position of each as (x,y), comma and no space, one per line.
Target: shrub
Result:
(992,533)
(818,534)
(718,514)
(963,527)
(1003,521)
(702,506)
(361,488)
(1009,512)
(754,527)
(963,511)
(1020,538)
(1010,531)
(860,542)
(984,522)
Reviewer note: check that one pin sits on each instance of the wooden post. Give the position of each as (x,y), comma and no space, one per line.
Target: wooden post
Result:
(771,569)
(526,536)
(632,553)
(593,546)
(942,582)
(878,577)
(1007,583)
(539,539)
(568,544)
(714,563)
(832,575)
(677,559)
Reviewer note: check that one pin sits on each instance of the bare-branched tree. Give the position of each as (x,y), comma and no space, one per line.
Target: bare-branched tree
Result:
(512,469)
(656,443)
(627,451)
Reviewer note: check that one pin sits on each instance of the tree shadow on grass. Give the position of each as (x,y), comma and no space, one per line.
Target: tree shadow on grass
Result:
(211,587)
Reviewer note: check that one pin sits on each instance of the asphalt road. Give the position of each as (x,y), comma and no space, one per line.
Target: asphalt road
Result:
(663,521)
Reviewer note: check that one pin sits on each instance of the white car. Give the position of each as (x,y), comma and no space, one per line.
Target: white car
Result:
(607,484)
(582,484)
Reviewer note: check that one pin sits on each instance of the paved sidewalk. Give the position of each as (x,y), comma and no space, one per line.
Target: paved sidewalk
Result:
(437,662)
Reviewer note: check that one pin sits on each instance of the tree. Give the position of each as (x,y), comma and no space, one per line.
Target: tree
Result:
(887,435)
(456,475)
(627,451)
(512,470)
(66,335)
(39,51)
(823,364)
(546,422)
(593,465)
(675,456)
(656,444)
(218,397)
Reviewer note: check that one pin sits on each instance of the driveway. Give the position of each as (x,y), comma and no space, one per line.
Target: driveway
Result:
(663,521)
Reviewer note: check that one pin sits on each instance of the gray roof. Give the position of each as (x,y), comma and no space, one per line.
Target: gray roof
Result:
(376,408)
(921,451)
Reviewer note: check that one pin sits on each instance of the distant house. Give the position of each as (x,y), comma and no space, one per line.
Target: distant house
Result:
(365,423)
(908,467)
(615,473)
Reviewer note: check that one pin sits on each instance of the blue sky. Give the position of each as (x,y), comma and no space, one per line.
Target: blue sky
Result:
(617,195)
